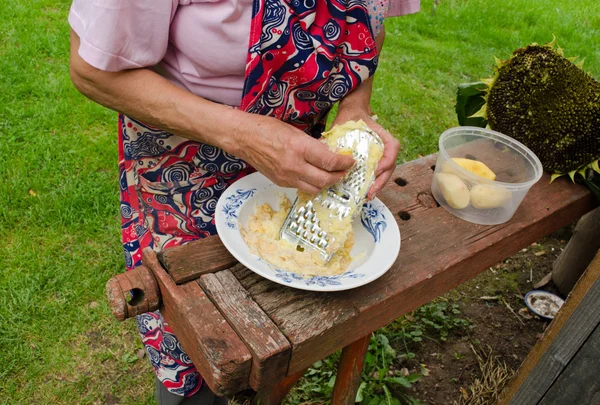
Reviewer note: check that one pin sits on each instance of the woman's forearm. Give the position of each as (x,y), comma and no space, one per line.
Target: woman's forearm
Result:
(147,96)
(283,153)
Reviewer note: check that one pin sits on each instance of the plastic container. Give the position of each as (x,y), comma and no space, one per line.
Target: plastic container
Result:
(476,198)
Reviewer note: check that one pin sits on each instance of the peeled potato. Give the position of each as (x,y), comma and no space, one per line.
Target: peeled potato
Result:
(484,196)
(473,166)
(454,190)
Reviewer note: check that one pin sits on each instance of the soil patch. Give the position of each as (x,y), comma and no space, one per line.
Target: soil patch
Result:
(499,321)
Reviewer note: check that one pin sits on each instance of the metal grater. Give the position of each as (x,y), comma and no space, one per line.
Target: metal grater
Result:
(302,227)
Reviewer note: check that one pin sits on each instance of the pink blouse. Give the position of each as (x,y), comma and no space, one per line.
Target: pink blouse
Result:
(200,45)
(403,7)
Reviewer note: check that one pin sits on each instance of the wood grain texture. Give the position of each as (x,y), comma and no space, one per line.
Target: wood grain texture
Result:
(188,262)
(213,346)
(117,301)
(439,251)
(269,348)
(349,371)
(573,324)
(132,293)
(579,383)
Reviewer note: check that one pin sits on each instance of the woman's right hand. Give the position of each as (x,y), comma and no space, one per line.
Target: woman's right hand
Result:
(288,156)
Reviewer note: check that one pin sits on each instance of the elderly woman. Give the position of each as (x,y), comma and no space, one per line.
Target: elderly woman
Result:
(209,91)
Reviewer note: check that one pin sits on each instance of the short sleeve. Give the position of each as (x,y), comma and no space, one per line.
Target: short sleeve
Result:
(122,34)
(403,7)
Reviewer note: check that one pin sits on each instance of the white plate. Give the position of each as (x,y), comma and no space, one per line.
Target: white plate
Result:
(543,303)
(376,234)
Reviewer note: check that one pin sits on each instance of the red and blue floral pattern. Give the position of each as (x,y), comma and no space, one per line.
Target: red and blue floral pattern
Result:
(305,56)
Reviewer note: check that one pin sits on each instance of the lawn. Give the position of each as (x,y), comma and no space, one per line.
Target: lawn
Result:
(59,208)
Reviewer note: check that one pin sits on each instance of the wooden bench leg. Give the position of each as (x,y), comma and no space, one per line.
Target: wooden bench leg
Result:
(274,395)
(349,372)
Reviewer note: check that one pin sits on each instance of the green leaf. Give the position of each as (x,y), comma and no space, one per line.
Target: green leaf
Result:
(572,175)
(375,401)
(388,395)
(359,393)
(389,400)
(383,340)
(593,183)
(331,382)
(398,381)
(369,360)
(469,100)
(414,377)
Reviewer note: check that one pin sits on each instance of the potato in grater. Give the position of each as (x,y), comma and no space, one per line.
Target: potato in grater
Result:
(323,222)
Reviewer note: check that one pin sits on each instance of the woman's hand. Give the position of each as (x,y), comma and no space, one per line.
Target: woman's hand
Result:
(288,156)
(387,164)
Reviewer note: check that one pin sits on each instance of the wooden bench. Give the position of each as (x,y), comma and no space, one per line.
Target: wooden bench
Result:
(241,330)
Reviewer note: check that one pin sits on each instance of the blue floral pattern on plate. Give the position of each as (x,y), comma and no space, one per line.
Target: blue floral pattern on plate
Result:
(373,219)
(232,206)
(321,281)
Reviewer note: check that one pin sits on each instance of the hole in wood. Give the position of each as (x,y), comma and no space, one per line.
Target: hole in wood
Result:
(401,182)
(135,298)
(405,216)
(469,156)
(426,200)
(433,168)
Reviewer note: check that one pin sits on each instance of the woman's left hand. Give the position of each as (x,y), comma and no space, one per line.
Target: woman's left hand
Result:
(387,164)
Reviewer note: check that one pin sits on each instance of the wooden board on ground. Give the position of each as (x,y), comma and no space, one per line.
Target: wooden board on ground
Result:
(570,329)
(579,383)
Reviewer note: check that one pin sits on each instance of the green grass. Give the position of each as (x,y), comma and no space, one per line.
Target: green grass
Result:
(59,216)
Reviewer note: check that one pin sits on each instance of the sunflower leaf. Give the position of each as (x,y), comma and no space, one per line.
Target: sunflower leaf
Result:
(469,100)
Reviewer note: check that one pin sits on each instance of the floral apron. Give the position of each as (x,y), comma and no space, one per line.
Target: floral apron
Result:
(304,55)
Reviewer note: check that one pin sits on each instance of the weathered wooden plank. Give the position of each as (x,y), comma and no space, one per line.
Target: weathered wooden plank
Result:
(269,347)
(576,320)
(579,383)
(349,372)
(212,345)
(439,251)
(191,260)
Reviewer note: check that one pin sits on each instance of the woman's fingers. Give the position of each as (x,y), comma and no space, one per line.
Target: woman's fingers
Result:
(307,188)
(320,178)
(318,154)
(387,164)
